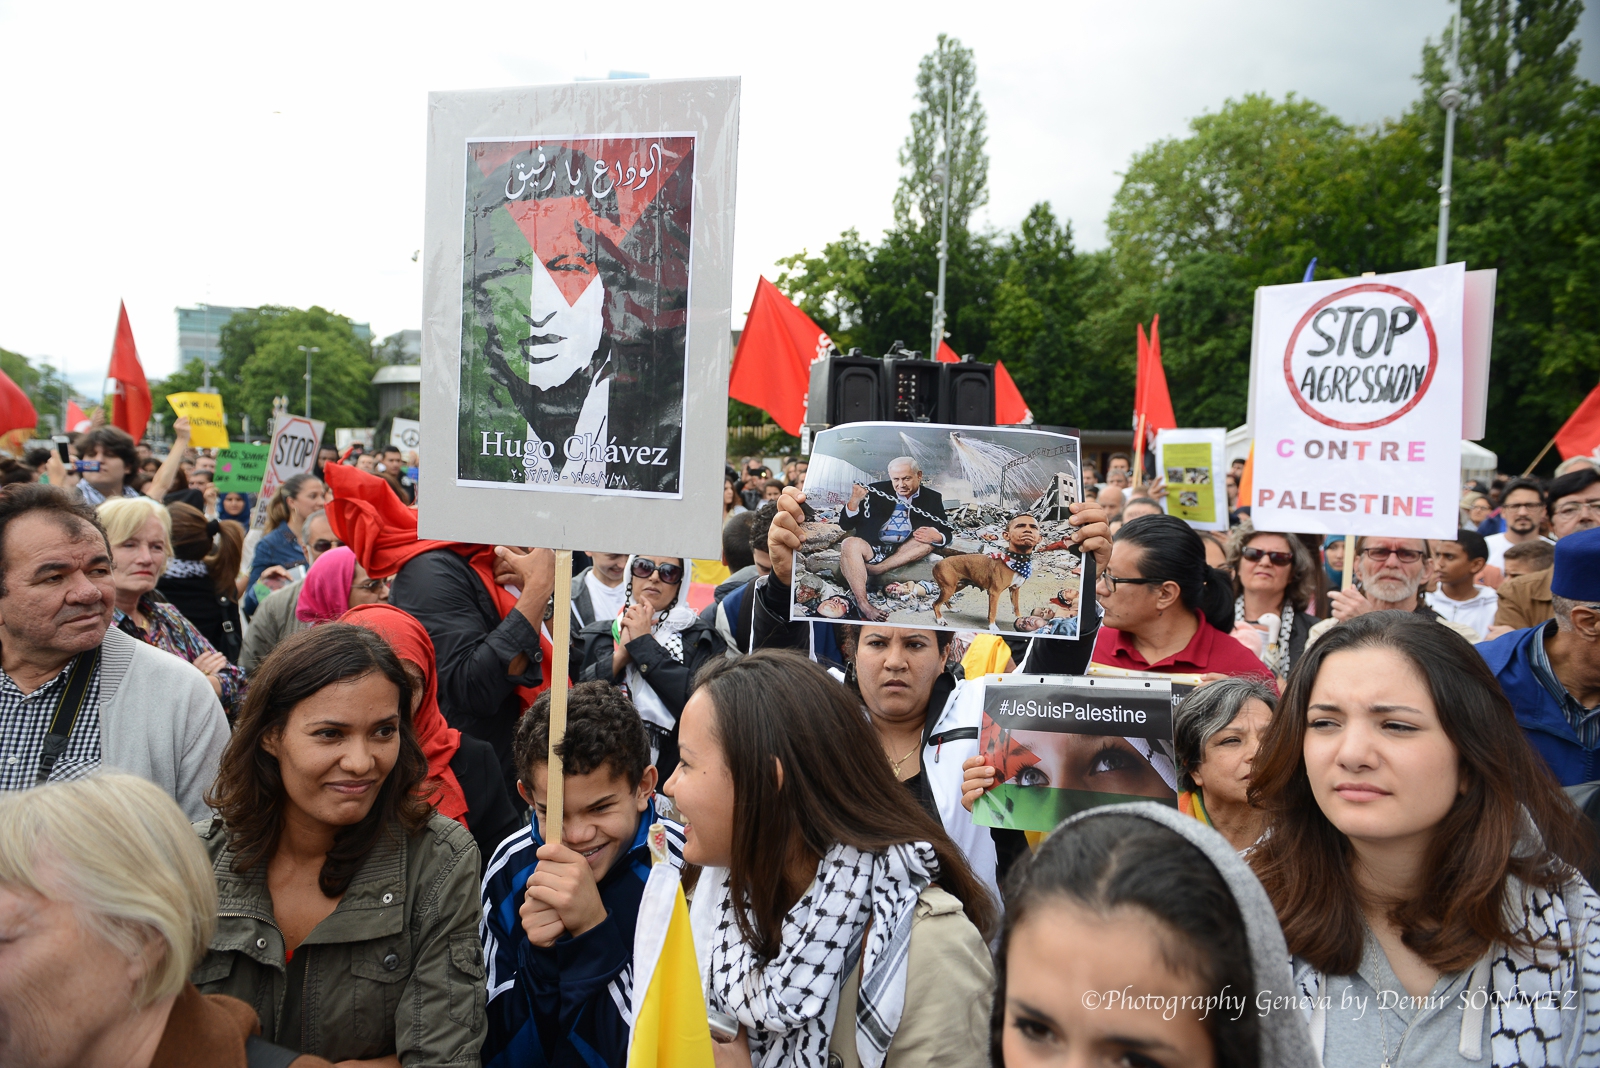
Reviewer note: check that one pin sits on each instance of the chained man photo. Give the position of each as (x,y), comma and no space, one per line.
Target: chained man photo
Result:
(892,524)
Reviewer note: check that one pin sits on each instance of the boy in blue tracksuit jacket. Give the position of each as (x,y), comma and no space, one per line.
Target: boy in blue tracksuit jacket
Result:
(558,918)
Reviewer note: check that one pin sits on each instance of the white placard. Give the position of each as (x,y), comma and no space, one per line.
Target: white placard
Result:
(1356,396)
(406,434)
(577,296)
(295,440)
(1190,461)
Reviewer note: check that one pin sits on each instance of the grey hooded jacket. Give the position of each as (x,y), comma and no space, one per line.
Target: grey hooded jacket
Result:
(1285,1041)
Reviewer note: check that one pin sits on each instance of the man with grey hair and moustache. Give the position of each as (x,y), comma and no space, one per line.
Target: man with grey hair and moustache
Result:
(1390,573)
(892,523)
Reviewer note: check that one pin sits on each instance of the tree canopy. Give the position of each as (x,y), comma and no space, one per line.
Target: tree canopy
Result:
(1247,198)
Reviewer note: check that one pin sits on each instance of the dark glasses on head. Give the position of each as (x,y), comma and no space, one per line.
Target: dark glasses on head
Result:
(1251,553)
(671,574)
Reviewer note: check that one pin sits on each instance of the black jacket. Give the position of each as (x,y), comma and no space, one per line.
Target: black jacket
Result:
(474,647)
(490,815)
(927,510)
(672,681)
(213,615)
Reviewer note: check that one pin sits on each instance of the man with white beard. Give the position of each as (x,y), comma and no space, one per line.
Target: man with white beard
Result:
(1390,573)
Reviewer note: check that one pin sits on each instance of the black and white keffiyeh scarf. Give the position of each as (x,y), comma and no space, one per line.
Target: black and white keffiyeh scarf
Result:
(1276,655)
(1543,1007)
(667,629)
(788,1006)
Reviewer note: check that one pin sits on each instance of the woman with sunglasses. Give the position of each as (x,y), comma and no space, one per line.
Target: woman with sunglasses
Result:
(1274,578)
(1166,610)
(653,650)
(335,584)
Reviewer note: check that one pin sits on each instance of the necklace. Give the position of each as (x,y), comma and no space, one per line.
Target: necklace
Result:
(1383,1023)
(895,764)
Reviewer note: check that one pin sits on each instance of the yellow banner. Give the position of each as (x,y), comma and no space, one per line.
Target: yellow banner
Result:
(208,425)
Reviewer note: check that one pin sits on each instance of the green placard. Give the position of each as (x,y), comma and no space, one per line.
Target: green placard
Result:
(1187,469)
(240,469)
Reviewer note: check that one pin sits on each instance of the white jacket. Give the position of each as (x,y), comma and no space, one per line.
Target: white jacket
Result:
(941,763)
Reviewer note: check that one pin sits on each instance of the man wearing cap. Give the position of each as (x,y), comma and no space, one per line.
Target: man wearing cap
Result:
(1551,672)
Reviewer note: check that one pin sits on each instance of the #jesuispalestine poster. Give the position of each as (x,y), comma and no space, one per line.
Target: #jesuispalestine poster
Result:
(574,332)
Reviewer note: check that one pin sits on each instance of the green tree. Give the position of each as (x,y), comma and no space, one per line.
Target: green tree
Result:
(42,384)
(261,360)
(947,73)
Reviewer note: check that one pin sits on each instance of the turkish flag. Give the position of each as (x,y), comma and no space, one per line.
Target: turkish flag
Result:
(130,402)
(1150,397)
(16,410)
(1009,407)
(772,368)
(1580,434)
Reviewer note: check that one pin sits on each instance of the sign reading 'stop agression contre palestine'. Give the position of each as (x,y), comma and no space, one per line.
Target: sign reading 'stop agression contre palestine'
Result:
(1356,401)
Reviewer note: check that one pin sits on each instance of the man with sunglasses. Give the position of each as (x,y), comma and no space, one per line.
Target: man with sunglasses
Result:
(1390,573)
(275,619)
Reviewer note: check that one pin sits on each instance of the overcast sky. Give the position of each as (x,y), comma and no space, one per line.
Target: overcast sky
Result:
(168,154)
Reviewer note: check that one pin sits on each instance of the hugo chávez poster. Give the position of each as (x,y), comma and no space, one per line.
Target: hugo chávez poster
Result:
(577,306)
(1060,745)
(574,329)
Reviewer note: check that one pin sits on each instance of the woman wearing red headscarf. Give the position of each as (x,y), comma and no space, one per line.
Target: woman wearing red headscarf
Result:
(483,606)
(463,772)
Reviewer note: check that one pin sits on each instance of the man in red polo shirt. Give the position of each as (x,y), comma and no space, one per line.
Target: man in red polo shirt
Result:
(1165,609)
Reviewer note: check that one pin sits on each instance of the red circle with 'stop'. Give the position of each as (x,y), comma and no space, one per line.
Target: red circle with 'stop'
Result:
(1365,287)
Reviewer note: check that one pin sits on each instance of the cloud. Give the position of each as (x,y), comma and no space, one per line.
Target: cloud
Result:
(169,154)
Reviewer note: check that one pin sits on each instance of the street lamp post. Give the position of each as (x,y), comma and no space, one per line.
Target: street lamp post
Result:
(1450,100)
(308,352)
(944,225)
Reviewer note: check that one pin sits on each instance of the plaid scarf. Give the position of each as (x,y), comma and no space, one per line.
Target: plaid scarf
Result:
(788,1005)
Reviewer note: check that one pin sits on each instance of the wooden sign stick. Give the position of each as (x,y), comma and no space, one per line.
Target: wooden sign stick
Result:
(1346,580)
(561,643)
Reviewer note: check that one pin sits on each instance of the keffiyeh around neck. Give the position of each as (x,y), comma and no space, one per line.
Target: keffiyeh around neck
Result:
(789,1005)
(667,629)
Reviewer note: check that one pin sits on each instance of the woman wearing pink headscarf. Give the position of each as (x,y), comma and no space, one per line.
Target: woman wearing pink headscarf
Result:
(335,584)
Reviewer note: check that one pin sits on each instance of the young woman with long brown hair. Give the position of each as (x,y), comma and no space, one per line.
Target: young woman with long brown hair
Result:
(1423,863)
(841,892)
(349,907)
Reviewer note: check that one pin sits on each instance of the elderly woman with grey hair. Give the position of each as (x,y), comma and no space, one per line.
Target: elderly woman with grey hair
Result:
(1216,733)
(106,902)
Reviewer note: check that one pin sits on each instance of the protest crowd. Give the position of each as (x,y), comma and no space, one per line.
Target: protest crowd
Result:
(356,722)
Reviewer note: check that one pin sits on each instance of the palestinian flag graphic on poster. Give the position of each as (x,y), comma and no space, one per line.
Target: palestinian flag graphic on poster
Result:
(574,315)
(1061,745)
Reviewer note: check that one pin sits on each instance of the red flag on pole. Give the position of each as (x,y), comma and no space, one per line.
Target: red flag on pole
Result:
(1151,400)
(772,367)
(131,401)
(77,421)
(1009,407)
(1580,434)
(16,410)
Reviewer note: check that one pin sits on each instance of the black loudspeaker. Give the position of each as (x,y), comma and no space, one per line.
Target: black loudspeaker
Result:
(856,390)
(914,390)
(966,393)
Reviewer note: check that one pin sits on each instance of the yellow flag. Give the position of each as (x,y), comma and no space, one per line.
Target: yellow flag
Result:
(208,425)
(670,1029)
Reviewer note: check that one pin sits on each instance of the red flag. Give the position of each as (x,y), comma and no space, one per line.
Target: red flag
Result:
(1580,434)
(77,422)
(16,410)
(772,368)
(1150,397)
(131,401)
(1009,407)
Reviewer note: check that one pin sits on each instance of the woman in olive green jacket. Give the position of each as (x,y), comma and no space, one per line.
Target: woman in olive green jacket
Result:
(348,911)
